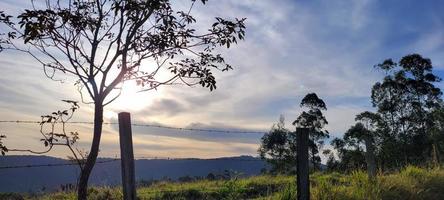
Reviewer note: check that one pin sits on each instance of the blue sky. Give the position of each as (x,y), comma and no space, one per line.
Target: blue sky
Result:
(291,48)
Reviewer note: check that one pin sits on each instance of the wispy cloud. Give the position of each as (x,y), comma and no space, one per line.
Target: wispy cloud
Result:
(292,48)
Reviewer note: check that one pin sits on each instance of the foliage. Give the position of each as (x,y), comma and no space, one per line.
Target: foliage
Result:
(105,43)
(405,100)
(349,150)
(127,33)
(410,183)
(278,148)
(407,127)
(313,119)
(3,148)
(54,133)
(436,136)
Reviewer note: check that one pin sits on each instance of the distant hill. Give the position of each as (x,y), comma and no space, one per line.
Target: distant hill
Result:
(50,178)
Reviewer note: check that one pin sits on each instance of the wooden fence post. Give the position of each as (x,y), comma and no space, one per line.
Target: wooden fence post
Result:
(127,157)
(302,170)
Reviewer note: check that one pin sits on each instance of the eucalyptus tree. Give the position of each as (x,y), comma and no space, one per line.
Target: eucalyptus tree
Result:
(351,146)
(278,148)
(332,163)
(315,120)
(437,135)
(350,149)
(363,134)
(104,43)
(369,134)
(405,99)
(355,138)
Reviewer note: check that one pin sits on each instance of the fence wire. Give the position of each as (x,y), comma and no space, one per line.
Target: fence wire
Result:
(139,158)
(106,160)
(145,125)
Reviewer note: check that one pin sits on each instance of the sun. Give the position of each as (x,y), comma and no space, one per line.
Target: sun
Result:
(131,98)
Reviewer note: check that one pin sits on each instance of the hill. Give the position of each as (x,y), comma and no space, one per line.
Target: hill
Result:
(50,178)
(410,183)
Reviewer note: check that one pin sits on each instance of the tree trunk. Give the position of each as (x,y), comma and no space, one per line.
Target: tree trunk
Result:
(435,154)
(82,190)
(370,157)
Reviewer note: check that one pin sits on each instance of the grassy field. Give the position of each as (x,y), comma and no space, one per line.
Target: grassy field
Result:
(410,183)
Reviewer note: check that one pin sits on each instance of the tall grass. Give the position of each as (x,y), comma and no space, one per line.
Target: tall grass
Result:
(410,183)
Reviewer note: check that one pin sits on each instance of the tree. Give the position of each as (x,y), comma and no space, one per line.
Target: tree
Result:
(437,135)
(54,133)
(368,134)
(332,163)
(278,148)
(104,43)
(211,176)
(405,99)
(315,121)
(350,148)
(357,136)
(351,156)
(3,149)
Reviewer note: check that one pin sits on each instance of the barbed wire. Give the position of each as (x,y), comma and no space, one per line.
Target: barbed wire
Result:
(147,125)
(138,158)
(53,165)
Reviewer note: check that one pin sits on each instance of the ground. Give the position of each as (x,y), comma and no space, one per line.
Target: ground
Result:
(410,183)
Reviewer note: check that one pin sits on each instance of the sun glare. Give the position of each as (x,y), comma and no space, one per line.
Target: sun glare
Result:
(131,98)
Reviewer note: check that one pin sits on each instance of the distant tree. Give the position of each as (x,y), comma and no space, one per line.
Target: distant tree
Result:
(332,163)
(351,156)
(278,148)
(185,179)
(369,135)
(405,100)
(437,135)
(358,136)
(104,43)
(211,176)
(313,119)
(3,149)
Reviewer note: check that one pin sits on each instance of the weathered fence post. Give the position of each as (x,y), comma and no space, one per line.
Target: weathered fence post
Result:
(302,168)
(127,156)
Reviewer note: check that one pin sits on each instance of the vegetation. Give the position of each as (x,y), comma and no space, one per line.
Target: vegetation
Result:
(410,183)
(315,121)
(407,127)
(278,147)
(105,43)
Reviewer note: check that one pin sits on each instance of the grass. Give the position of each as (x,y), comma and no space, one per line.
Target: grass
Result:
(411,183)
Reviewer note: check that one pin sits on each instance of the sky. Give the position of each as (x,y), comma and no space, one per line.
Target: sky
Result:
(291,48)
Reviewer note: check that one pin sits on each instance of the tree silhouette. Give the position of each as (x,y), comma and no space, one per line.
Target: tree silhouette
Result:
(350,152)
(437,134)
(369,135)
(107,42)
(54,133)
(356,137)
(405,100)
(3,148)
(278,148)
(408,125)
(315,121)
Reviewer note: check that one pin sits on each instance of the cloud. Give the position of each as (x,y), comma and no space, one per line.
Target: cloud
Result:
(164,106)
(292,48)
